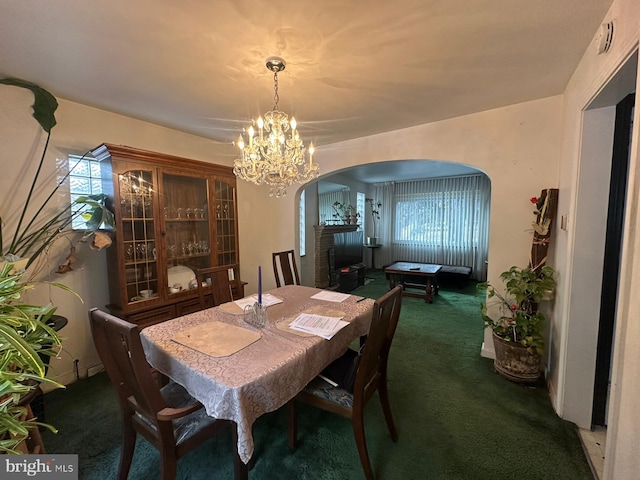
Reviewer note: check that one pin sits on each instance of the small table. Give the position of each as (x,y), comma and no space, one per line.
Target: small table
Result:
(373,251)
(403,271)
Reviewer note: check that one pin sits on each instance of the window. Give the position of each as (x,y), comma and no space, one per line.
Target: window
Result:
(360,201)
(84,179)
(302,225)
(441,220)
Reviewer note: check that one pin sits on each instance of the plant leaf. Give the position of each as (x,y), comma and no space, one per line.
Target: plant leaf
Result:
(44,105)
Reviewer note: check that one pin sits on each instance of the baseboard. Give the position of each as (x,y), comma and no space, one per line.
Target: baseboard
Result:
(91,371)
(70,377)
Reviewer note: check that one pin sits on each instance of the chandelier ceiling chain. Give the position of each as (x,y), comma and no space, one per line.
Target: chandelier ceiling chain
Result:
(275,154)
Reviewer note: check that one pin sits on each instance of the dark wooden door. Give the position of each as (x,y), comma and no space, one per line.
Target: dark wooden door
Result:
(612,250)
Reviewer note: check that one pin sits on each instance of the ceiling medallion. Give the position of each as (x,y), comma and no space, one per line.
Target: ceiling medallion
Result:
(274,154)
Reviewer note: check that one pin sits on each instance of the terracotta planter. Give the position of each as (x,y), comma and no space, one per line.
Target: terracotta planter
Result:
(514,362)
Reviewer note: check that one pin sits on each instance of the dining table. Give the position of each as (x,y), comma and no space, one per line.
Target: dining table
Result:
(239,371)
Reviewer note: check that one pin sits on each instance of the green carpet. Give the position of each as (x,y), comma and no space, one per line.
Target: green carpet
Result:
(456,418)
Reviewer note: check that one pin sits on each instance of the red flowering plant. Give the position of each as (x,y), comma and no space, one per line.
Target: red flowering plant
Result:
(518,319)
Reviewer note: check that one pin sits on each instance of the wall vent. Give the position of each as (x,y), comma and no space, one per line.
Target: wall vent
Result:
(604,37)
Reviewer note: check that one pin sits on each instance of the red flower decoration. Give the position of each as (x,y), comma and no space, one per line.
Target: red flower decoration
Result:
(533,199)
(513,307)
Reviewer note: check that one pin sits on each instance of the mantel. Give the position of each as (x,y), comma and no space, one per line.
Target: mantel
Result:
(331,229)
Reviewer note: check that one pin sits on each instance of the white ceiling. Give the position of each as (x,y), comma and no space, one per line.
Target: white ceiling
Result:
(354,68)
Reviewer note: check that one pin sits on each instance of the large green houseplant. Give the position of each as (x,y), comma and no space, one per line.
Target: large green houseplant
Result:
(25,336)
(517,323)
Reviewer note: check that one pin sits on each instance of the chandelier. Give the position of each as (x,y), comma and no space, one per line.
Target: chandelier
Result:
(274,154)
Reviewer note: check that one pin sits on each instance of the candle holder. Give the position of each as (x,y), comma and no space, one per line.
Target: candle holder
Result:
(256,315)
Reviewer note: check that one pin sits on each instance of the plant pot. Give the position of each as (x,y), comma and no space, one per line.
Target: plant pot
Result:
(514,362)
(372,240)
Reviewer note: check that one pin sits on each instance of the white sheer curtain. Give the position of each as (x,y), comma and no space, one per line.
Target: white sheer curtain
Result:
(325,204)
(384,193)
(440,220)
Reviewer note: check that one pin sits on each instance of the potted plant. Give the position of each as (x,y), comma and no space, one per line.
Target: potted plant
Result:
(518,329)
(24,338)
(375,216)
(347,213)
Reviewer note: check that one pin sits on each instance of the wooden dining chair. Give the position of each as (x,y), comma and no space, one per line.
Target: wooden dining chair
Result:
(167,416)
(370,376)
(221,284)
(285,269)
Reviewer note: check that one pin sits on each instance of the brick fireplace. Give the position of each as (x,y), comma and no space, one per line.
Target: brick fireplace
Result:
(324,240)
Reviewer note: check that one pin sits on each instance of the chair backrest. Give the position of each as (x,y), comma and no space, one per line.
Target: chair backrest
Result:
(284,267)
(221,284)
(373,364)
(118,344)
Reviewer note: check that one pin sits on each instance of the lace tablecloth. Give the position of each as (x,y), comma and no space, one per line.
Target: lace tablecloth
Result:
(263,376)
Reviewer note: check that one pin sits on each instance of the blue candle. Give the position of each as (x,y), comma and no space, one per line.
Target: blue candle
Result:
(259,285)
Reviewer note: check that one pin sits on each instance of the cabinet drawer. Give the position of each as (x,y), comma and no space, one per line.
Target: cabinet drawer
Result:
(190,306)
(156,315)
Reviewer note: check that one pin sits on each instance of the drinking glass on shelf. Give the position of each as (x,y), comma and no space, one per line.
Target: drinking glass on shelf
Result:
(179,212)
(189,213)
(129,252)
(126,207)
(172,250)
(141,251)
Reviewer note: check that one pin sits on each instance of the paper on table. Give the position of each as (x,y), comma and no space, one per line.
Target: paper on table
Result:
(325,327)
(330,296)
(267,300)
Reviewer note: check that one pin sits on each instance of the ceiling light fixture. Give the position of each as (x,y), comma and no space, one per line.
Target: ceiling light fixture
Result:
(274,154)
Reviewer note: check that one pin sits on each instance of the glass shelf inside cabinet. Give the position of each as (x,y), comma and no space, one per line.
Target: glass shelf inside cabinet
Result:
(140,254)
(225,224)
(186,219)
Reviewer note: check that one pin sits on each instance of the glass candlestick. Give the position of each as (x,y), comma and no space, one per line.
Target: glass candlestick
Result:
(256,315)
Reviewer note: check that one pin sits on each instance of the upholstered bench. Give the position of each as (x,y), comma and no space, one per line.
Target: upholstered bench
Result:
(454,274)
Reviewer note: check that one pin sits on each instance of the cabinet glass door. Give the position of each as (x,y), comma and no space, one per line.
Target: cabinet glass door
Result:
(225,224)
(137,195)
(187,239)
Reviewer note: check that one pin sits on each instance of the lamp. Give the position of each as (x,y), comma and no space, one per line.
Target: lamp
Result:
(274,154)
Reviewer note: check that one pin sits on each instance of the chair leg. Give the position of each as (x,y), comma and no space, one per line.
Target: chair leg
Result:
(357,421)
(169,465)
(293,425)
(128,447)
(386,408)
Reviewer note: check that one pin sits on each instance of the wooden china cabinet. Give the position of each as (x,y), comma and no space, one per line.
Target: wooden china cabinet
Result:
(173,216)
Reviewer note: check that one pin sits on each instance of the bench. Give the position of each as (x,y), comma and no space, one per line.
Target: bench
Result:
(457,274)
